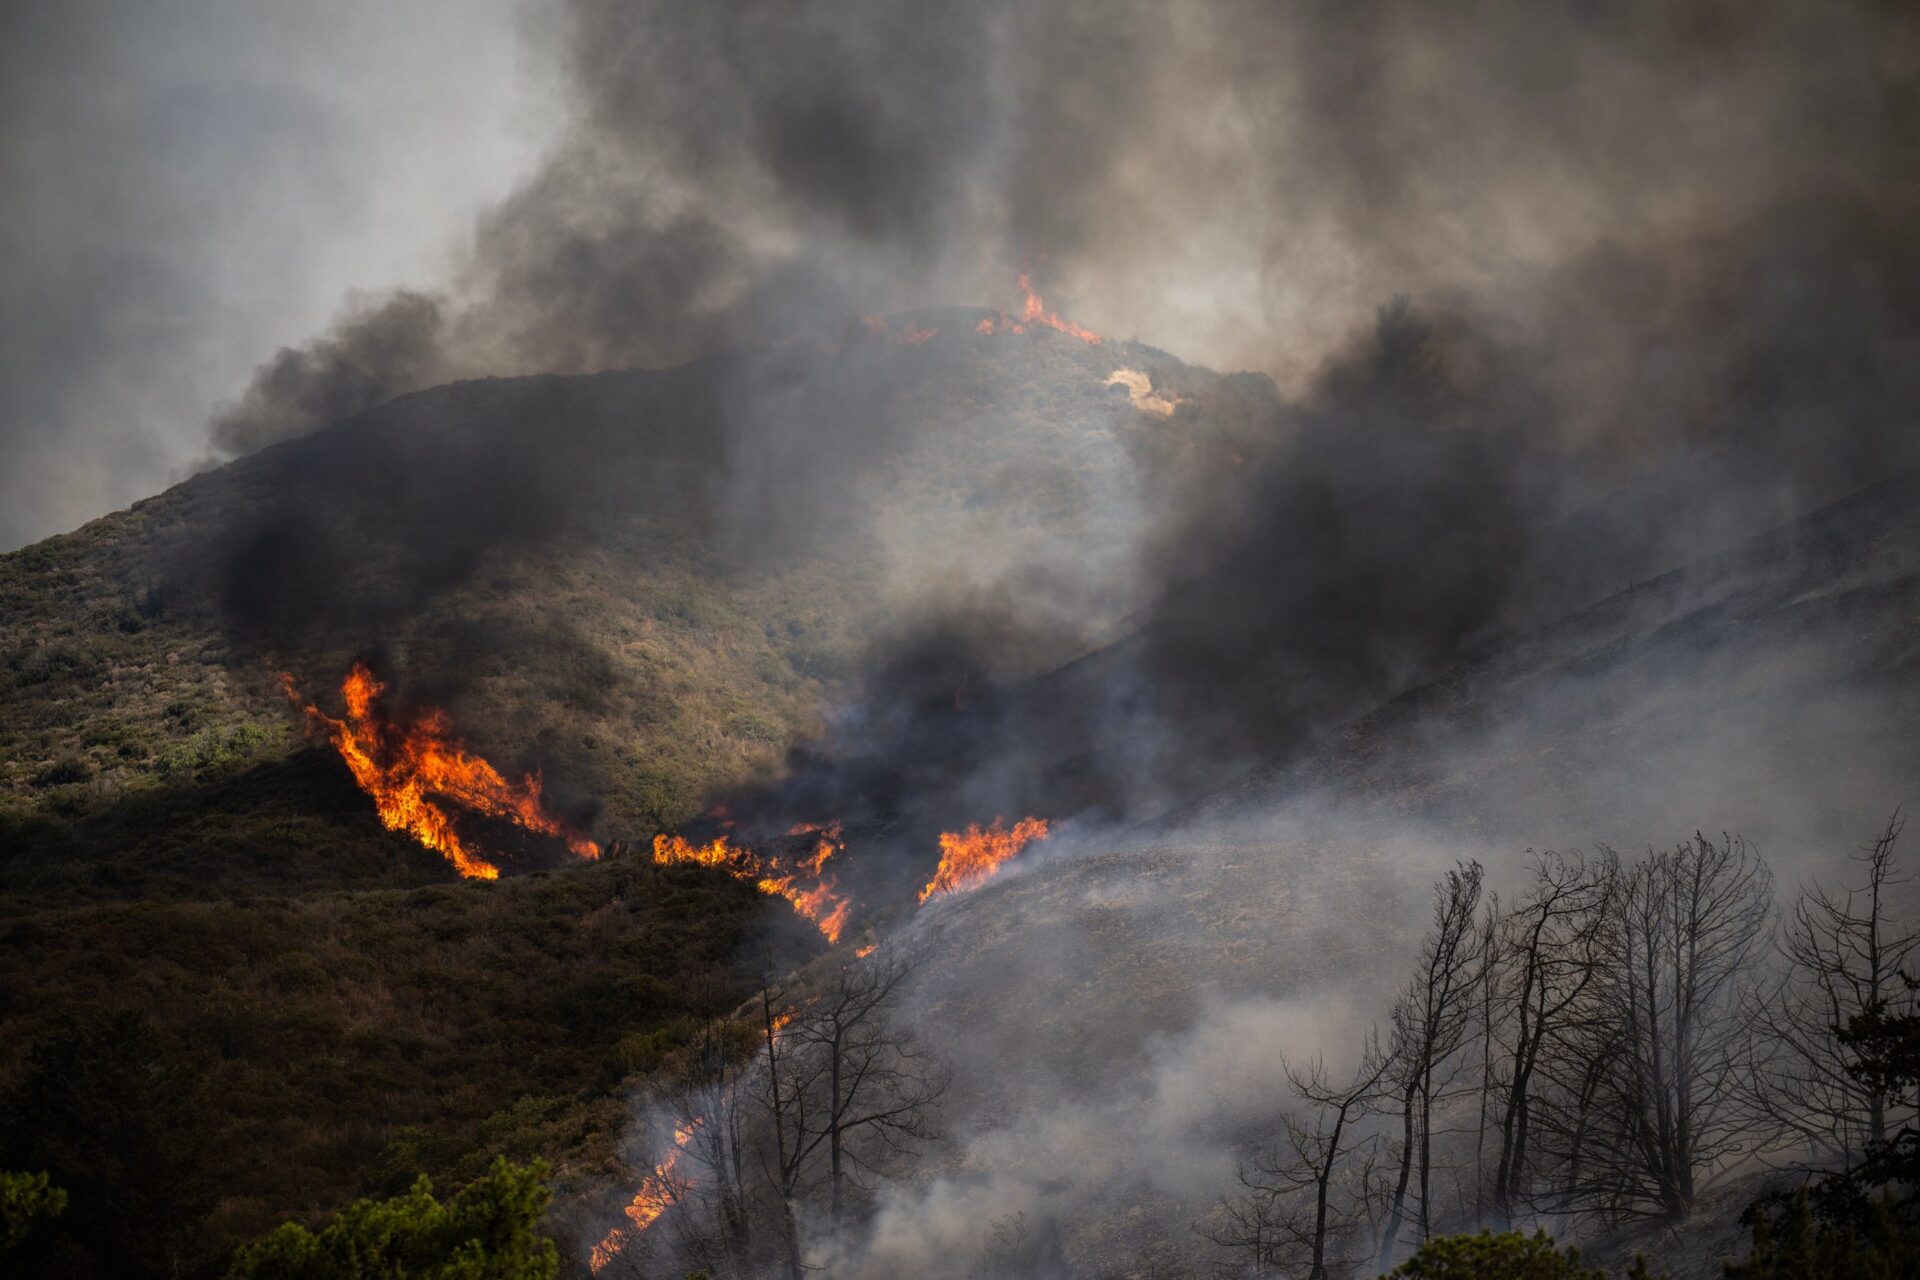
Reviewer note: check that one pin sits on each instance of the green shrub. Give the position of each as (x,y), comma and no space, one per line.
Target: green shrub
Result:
(490,1231)
(1509,1255)
(27,1200)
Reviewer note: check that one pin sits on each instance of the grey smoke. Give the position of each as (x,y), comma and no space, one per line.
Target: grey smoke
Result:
(1679,214)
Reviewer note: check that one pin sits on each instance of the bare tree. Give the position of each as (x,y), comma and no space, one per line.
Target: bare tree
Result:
(784,1089)
(1680,937)
(1269,1220)
(1431,1022)
(845,1081)
(1548,949)
(1844,955)
(710,1105)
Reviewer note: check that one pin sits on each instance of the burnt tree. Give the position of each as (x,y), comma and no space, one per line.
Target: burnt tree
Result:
(1431,1022)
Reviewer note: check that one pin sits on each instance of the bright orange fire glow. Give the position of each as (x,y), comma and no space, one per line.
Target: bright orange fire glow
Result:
(411,770)
(803,882)
(968,859)
(658,1192)
(1034,312)
(913,335)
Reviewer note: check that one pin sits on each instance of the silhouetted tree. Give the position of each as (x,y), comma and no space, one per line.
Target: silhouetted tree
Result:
(1287,1207)
(846,1080)
(1680,939)
(1844,955)
(1548,948)
(1431,1021)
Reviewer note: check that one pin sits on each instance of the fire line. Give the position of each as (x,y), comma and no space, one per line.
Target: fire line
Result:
(414,772)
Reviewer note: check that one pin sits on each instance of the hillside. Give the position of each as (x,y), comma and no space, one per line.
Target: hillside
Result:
(580,571)
(1771,690)
(646,587)
(597,579)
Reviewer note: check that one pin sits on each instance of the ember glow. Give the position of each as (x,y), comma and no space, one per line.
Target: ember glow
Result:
(968,859)
(658,1192)
(802,881)
(1034,312)
(415,772)
(912,335)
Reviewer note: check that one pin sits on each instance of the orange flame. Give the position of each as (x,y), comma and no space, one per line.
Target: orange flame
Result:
(969,859)
(658,1192)
(408,770)
(913,335)
(1034,312)
(803,882)
(665,1187)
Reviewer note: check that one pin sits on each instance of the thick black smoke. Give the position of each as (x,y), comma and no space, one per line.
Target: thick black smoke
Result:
(1665,296)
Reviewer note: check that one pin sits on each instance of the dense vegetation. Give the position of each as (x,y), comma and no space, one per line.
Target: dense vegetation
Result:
(212,954)
(214,1065)
(490,1231)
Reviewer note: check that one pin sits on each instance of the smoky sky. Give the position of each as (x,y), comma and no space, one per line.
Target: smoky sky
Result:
(190,184)
(1681,211)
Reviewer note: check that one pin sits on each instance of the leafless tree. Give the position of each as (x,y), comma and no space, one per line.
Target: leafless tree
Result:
(845,1081)
(782,1092)
(1258,1225)
(1547,947)
(1843,953)
(1431,1022)
(1275,1218)
(711,1104)
(1681,935)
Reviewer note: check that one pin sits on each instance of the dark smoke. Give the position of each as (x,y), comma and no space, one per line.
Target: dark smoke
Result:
(1665,297)
(376,350)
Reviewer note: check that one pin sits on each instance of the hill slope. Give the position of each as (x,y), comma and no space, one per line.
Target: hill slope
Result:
(1119,1009)
(643,585)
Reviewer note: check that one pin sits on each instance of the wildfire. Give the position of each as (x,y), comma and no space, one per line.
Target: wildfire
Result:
(970,858)
(410,770)
(665,1187)
(658,1192)
(1034,312)
(913,335)
(803,882)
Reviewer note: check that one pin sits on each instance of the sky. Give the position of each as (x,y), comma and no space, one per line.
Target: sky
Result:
(191,184)
(1642,225)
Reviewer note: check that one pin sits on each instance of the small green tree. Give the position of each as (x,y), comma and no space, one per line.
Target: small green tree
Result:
(26,1201)
(489,1231)
(1510,1255)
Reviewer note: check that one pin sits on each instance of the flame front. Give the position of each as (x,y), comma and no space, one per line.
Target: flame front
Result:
(970,858)
(1034,312)
(658,1192)
(803,882)
(410,770)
